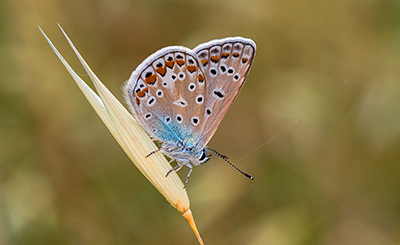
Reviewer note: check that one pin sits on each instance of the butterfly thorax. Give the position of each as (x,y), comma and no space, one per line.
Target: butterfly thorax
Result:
(185,153)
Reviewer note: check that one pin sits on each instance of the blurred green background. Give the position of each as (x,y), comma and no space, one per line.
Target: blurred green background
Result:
(317,124)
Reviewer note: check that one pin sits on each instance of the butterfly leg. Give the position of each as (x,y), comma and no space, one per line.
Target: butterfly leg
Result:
(151,153)
(187,177)
(176,168)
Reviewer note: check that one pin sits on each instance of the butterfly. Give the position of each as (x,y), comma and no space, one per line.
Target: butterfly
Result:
(180,96)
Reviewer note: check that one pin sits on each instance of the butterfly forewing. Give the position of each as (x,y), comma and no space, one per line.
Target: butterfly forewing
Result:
(226,63)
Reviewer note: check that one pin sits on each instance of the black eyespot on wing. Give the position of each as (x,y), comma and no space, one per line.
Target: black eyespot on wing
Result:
(222,68)
(213,71)
(151,101)
(191,87)
(218,94)
(199,99)
(195,120)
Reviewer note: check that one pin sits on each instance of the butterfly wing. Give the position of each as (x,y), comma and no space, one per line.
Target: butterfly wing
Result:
(166,94)
(226,63)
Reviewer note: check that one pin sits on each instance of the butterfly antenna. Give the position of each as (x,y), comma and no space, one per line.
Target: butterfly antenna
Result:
(225,158)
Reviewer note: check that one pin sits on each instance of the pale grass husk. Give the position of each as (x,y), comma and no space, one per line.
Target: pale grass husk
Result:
(131,137)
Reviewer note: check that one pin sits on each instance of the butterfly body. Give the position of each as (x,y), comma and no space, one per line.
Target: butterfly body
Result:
(180,96)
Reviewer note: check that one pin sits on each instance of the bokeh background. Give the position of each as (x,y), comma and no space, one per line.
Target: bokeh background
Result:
(317,124)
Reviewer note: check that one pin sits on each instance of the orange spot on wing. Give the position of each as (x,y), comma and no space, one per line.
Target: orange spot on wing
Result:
(244,60)
(142,93)
(215,58)
(161,70)
(224,55)
(204,62)
(191,68)
(170,64)
(150,79)
(235,54)
(137,101)
(180,62)
(200,77)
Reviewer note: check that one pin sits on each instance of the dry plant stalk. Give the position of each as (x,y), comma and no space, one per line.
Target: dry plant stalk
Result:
(131,137)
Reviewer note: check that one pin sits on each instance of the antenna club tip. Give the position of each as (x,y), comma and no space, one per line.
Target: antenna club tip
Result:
(249,176)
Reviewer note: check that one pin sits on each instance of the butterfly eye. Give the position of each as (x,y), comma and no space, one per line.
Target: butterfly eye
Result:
(203,155)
